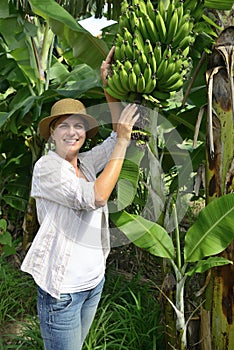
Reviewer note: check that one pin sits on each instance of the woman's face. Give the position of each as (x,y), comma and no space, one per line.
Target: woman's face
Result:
(69,135)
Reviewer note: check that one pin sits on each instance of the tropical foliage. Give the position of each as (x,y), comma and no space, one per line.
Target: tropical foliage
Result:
(47,55)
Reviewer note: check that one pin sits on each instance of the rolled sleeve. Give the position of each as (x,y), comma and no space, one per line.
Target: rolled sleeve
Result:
(55,180)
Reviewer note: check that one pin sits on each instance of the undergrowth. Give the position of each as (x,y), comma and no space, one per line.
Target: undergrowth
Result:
(128,316)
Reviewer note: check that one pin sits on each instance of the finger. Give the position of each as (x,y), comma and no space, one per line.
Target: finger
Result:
(110,55)
(128,113)
(134,120)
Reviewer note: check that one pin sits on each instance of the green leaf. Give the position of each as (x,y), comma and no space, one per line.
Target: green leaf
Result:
(3,118)
(8,250)
(86,47)
(3,224)
(213,230)
(128,179)
(20,48)
(204,265)
(4,9)
(15,202)
(145,234)
(219,5)
(6,238)
(81,79)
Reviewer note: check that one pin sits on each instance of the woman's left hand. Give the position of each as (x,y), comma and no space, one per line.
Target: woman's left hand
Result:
(128,118)
(106,66)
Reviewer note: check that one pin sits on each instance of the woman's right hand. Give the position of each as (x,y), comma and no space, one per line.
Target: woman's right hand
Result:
(108,178)
(127,119)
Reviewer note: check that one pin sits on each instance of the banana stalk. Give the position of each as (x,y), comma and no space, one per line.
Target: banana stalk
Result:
(219,308)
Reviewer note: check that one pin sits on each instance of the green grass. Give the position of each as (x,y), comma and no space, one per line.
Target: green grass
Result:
(128,316)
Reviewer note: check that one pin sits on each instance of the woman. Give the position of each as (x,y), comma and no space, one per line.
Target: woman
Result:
(68,255)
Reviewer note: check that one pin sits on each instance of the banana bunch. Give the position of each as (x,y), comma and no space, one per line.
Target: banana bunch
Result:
(151,59)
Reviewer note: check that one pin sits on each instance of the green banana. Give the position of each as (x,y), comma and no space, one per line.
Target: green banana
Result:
(118,39)
(180,13)
(123,75)
(167,54)
(137,36)
(124,20)
(179,64)
(115,84)
(170,10)
(186,17)
(136,67)
(161,95)
(158,52)
(162,8)
(162,67)
(190,5)
(186,63)
(147,72)
(161,27)
(136,9)
(124,5)
(135,52)
(117,53)
(117,65)
(182,32)
(152,61)
(143,7)
(140,83)
(117,81)
(150,10)
(132,79)
(127,50)
(186,42)
(198,11)
(127,64)
(142,59)
(127,35)
(134,21)
(142,28)
(185,51)
(173,26)
(137,45)
(167,83)
(115,94)
(151,29)
(150,84)
(170,70)
(148,47)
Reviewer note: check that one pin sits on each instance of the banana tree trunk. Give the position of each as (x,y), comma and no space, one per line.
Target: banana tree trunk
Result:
(219,306)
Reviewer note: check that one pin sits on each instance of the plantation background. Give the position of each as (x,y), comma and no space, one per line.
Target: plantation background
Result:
(46,56)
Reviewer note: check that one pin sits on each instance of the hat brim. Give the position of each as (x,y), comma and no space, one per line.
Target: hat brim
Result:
(44,125)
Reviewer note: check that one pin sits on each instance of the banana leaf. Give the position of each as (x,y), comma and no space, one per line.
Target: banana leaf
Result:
(213,230)
(204,265)
(145,234)
(219,5)
(19,44)
(128,179)
(86,47)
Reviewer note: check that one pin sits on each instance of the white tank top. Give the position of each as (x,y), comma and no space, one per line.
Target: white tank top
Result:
(86,266)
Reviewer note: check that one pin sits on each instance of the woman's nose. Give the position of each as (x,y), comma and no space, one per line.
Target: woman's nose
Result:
(72,130)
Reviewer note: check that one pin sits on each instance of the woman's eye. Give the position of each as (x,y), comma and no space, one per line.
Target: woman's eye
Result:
(80,126)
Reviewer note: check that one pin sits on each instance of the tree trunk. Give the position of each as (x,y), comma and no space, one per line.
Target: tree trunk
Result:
(219,305)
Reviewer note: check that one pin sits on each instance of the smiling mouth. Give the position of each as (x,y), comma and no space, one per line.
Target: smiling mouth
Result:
(71,141)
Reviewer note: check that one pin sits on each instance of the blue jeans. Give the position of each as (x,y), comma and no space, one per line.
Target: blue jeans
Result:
(65,322)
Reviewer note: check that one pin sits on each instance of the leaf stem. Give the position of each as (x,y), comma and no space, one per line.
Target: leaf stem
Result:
(177,234)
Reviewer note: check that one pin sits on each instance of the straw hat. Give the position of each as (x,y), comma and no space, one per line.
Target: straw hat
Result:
(67,106)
